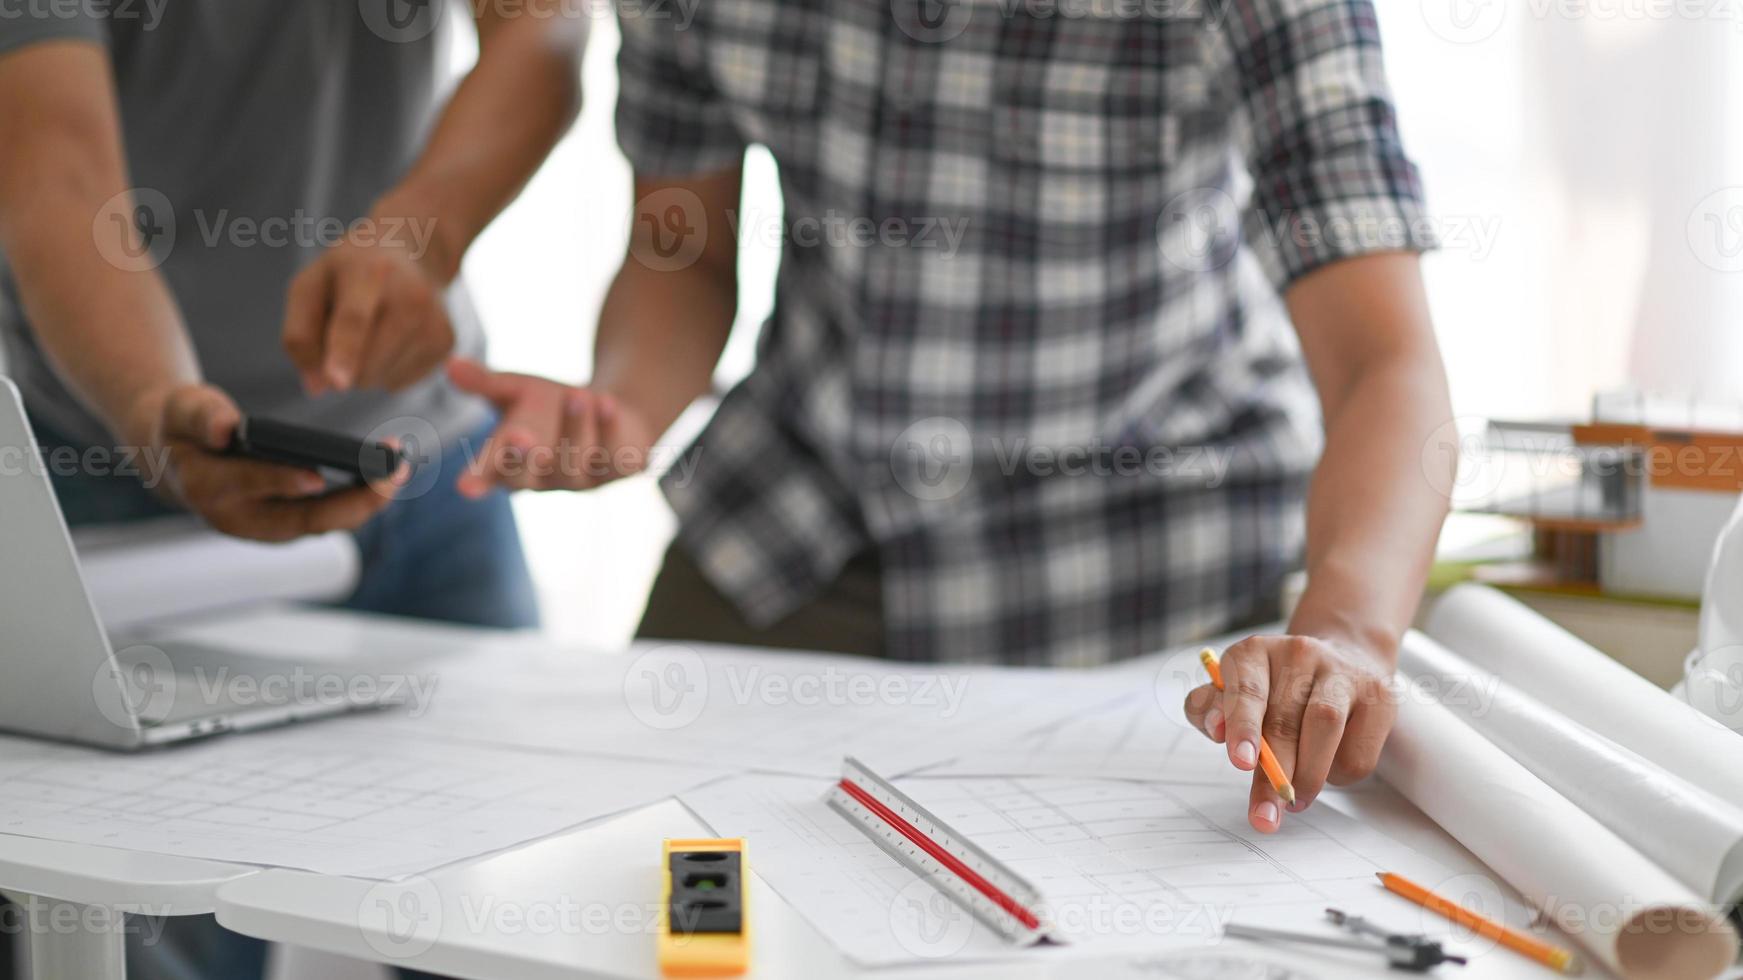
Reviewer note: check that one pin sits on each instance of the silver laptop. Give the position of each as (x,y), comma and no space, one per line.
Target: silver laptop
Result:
(61,677)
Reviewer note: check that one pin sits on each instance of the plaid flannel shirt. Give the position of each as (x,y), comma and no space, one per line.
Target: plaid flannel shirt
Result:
(1027,342)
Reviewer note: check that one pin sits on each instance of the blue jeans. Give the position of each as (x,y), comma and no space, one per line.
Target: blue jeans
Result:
(433,555)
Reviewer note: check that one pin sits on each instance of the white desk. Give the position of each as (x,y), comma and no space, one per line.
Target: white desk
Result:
(580,905)
(576,905)
(77,897)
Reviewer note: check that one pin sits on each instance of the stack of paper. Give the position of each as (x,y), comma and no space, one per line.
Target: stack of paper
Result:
(343,797)
(744,709)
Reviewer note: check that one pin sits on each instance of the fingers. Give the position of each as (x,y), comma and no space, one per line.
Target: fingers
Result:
(526,451)
(305,317)
(411,338)
(1204,710)
(342,511)
(1322,732)
(1294,663)
(1246,671)
(201,415)
(1370,721)
(358,299)
(474,378)
(208,481)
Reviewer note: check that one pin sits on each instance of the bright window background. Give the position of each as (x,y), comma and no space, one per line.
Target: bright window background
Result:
(1532,134)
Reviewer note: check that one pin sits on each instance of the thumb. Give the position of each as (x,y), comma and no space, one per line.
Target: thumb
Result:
(202,415)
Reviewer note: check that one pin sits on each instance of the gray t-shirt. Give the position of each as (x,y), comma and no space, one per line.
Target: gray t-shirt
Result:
(255,131)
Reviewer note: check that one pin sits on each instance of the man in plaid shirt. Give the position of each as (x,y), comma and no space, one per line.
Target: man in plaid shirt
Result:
(1028,394)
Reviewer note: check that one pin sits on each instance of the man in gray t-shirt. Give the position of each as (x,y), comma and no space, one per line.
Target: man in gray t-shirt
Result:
(218,207)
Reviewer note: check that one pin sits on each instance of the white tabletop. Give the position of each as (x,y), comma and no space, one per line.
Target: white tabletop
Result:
(113,877)
(580,906)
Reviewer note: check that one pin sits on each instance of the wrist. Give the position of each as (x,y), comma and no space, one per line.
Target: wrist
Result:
(415,216)
(140,423)
(1375,640)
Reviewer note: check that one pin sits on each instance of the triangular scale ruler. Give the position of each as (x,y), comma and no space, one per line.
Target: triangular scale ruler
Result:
(974,879)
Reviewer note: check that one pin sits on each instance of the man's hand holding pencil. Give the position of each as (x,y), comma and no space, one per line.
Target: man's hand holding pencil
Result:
(1297,712)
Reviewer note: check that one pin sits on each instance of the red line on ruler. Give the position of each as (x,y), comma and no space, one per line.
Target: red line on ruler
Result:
(943,856)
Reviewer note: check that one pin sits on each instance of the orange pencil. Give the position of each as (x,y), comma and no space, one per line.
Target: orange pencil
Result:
(1267,758)
(1553,957)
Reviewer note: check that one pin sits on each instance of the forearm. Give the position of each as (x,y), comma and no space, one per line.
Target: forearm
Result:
(660,337)
(502,122)
(1376,502)
(1374,514)
(100,311)
(115,336)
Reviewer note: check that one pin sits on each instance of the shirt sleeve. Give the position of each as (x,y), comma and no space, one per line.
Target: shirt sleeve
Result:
(1316,125)
(671,121)
(25,24)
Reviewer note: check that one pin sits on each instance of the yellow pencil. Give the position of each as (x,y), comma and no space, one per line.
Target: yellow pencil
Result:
(1267,759)
(1553,957)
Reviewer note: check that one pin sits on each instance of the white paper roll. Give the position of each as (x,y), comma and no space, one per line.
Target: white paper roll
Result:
(1689,832)
(1622,908)
(168,570)
(1539,658)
